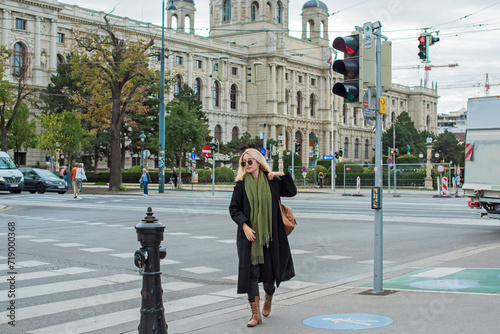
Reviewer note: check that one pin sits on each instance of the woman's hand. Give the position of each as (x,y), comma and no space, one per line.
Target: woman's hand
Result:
(272,175)
(249,233)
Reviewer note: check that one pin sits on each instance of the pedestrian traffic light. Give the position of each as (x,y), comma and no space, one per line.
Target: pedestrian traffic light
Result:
(297,147)
(350,67)
(336,155)
(340,152)
(433,40)
(47,158)
(423,45)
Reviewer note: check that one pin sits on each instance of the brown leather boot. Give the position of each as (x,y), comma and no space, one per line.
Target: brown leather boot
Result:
(256,317)
(266,310)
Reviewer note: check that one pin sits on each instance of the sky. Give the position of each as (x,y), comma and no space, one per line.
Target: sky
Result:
(469,33)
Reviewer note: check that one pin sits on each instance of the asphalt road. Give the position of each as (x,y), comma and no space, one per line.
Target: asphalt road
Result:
(74,258)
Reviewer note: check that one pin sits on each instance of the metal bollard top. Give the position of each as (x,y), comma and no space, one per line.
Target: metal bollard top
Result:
(150,225)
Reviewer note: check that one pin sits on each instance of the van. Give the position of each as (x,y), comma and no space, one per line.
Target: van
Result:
(11,178)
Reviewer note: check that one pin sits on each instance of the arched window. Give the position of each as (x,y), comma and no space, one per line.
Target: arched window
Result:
(367,147)
(216,94)
(309,28)
(218,133)
(344,113)
(356,148)
(279,8)
(355,116)
(18,59)
(254,11)
(299,103)
(268,12)
(175,22)
(393,117)
(287,101)
(236,134)
(298,138)
(346,147)
(312,146)
(234,94)
(177,84)
(187,24)
(226,11)
(197,88)
(312,105)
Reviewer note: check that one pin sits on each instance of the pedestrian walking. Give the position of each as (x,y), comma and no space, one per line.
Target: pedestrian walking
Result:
(174,178)
(73,177)
(79,178)
(321,179)
(63,173)
(263,250)
(145,180)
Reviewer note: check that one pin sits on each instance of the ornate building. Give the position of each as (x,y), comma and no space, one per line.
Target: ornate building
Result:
(291,94)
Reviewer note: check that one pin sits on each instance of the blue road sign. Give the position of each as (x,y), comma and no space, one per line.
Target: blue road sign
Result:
(193,156)
(328,157)
(263,151)
(347,321)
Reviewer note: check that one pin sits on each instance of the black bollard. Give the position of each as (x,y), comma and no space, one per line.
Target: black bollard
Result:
(147,259)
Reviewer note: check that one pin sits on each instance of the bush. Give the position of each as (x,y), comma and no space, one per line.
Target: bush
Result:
(135,169)
(407,159)
(224,174)
(204,175)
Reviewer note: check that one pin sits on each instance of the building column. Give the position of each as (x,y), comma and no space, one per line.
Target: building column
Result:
(53,47)
(37,66)
(5,33)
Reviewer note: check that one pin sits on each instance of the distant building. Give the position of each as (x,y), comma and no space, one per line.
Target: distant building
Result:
(454,122)
(292,92)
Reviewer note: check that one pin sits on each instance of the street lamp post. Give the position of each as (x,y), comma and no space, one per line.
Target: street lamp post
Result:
(161,146)
(428,177)
(142,136)
(281,139)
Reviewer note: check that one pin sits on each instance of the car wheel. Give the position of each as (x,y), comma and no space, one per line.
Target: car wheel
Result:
(32,191)
(40,188)
(15,191)
(61,192)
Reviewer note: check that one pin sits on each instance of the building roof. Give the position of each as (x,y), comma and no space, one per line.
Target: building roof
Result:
(315,3)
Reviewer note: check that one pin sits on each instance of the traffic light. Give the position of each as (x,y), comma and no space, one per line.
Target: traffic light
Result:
(297,147)
(392,151)
(61,161)
(252,73)
(215,146)
(47,158)
(350,67)
(423,45)
(340,152)
(336,155)
(433,40)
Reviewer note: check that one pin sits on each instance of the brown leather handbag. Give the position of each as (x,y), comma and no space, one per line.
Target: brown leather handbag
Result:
(288,219)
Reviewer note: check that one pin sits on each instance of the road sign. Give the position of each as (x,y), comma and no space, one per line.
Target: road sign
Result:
(304,169)
(389,161)
(440,168)
(193,156)
(263,151)
(146,154)
(328,157)
(206,151)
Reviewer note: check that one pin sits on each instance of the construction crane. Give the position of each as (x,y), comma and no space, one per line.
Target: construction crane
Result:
(426,67)
(486,85)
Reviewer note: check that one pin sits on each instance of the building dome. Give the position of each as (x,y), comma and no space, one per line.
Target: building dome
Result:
(314,4)
(190,1)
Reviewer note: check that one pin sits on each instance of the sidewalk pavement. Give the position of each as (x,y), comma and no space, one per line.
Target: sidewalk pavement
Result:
(350,304)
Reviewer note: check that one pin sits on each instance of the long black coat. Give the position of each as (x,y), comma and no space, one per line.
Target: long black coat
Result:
(279,248)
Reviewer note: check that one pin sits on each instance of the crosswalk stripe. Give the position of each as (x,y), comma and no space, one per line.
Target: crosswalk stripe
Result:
(45,274)
(50,288)
(23,264)
(133,315)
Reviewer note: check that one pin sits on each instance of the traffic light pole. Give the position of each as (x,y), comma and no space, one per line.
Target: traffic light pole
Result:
(378,237)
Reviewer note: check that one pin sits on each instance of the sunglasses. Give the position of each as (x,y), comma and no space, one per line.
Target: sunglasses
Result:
(249,162)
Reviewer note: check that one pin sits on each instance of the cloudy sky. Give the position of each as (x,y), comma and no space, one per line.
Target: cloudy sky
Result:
(469,33)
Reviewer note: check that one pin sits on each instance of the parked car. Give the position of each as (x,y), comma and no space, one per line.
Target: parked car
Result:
(11,178)
(41,180)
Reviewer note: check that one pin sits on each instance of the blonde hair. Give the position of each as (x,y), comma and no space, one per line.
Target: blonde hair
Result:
(240,176)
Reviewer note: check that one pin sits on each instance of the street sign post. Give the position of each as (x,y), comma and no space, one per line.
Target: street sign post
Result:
(193,156)
(328,157)
(263,151)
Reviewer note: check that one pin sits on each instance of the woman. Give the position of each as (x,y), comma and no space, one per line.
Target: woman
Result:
(263,249)
(146,179)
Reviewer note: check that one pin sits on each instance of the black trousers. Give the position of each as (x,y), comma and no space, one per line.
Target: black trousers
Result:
(261,273)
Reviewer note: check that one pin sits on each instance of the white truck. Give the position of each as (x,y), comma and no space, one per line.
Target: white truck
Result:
(482,155)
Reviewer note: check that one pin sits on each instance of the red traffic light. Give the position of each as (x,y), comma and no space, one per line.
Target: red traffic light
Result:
(348,44)
(421,39)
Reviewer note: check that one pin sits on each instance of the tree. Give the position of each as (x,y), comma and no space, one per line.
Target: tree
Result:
(22,133)
(408,138)
(64,131)
(11,97)
(184,130)
(113,69)
(448,147)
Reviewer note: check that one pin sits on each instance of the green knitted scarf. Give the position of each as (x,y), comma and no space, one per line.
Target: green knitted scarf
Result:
(259,196)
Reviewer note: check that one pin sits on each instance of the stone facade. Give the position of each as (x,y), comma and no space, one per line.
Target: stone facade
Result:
(291,94)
